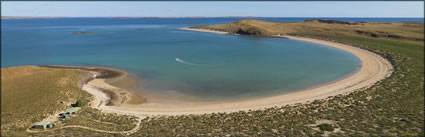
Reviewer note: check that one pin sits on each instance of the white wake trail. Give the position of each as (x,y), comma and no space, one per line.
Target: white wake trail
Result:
(184,62)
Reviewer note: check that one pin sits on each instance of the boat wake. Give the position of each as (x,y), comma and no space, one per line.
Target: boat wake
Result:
(184,62)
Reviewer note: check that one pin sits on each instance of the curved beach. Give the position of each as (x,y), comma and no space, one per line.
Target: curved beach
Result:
(374,68)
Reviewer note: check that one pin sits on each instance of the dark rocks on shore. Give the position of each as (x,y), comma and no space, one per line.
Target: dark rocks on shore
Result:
(106,73)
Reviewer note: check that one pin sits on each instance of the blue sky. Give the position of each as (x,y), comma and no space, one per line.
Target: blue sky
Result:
(214,9)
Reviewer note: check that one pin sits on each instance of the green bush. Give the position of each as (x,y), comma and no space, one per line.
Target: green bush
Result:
(326,127)
(81,103)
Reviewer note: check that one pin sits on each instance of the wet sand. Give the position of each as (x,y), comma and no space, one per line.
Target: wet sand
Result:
(116,84)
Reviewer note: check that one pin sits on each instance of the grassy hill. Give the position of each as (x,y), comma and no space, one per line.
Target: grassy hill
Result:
(30,93)
(397,32)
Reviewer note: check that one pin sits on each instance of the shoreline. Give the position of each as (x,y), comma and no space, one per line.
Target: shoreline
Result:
(104,79)
(373,69)
(206,30)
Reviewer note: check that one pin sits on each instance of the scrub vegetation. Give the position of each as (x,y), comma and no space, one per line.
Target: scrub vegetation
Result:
(30,94)
(396,32)
(392,107)
(93,118)
(326,127)
(81,103)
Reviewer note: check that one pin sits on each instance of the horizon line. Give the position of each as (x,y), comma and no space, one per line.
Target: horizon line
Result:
(184,17)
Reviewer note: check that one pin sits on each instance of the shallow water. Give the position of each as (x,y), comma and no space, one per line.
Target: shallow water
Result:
(178,63)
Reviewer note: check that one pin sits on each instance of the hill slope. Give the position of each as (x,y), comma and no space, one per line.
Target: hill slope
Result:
(405,32)
(30,94)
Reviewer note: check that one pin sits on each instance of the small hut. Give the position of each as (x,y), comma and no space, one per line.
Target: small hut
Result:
(44,125)
(72,110)
(63,116)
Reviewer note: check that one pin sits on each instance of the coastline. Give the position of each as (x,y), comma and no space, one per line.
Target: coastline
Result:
(374,68)
(104,79)
(206,30)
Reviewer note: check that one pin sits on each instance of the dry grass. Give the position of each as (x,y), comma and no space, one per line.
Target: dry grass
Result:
(94,118)
(30,94)
(399,32)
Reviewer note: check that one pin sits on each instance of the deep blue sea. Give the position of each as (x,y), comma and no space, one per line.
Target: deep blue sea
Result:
(179,63)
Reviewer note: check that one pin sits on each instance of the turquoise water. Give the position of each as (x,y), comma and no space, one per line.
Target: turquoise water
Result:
(174,62)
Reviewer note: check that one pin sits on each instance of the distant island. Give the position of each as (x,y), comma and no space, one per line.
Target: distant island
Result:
(83,32)
(29,17)
(118,17)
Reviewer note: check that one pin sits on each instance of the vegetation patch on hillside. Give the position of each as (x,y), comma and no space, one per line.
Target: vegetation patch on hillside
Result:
(395,32)
(96,119)
(30,94)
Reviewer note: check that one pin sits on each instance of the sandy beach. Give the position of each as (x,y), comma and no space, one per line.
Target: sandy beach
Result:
(206,30)
(374,68)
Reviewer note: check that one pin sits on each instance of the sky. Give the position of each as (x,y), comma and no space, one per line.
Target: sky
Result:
(214,9)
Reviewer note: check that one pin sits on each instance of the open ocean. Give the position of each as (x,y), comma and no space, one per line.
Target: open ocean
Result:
(179,63)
